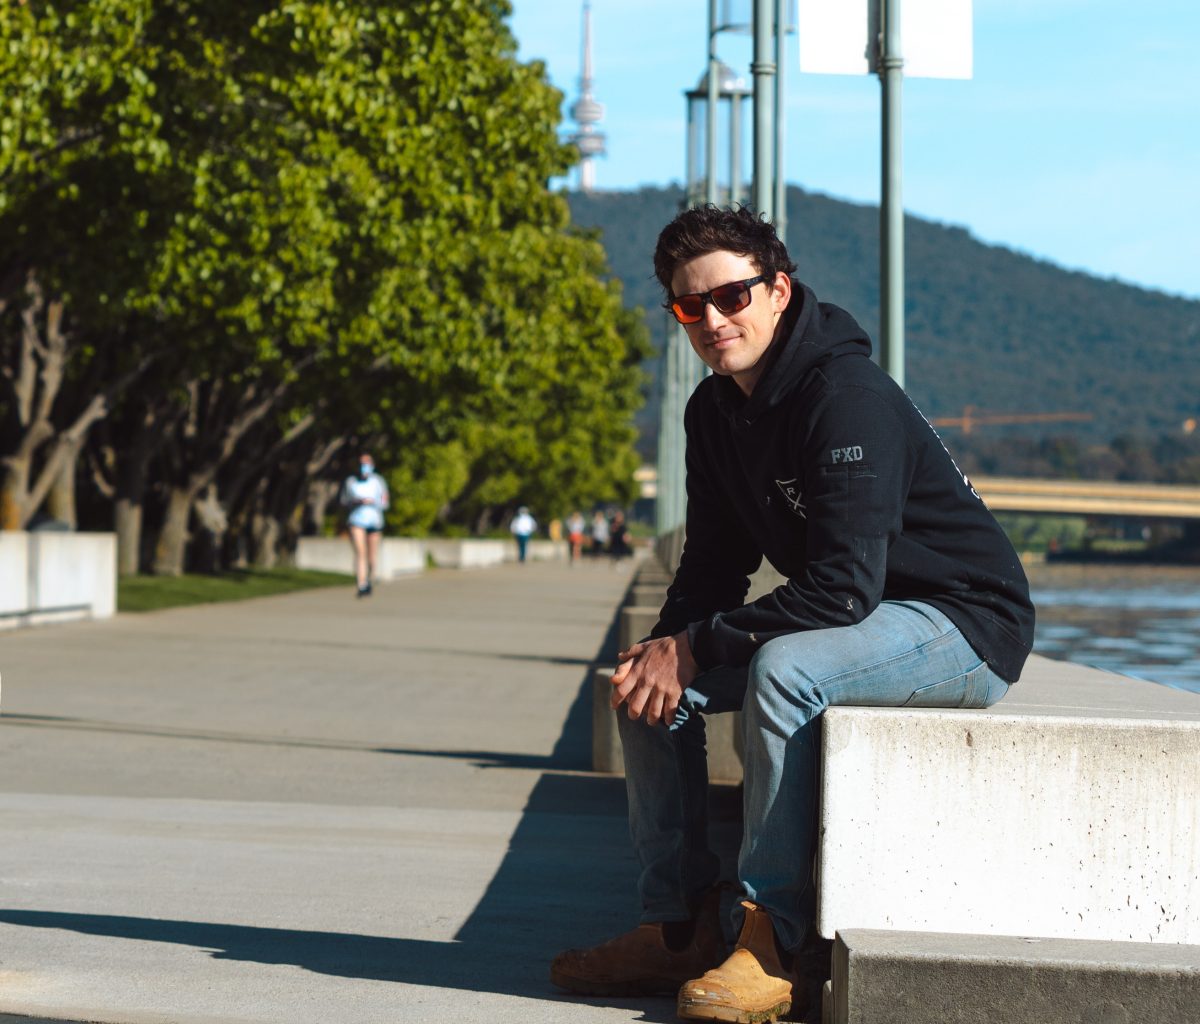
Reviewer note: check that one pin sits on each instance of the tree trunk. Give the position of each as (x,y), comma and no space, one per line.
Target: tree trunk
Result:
(127,520)
(266,540)
(13,488)
(173,538)
(133,458)
(60,502)
(213,521)
(320,494)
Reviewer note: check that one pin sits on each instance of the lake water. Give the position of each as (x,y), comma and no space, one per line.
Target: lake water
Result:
(1140,621)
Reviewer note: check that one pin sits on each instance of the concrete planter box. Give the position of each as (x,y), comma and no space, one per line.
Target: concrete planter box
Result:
(56,577)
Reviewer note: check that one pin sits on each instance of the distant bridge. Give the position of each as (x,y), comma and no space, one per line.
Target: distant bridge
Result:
(1088,497)
(1057,497)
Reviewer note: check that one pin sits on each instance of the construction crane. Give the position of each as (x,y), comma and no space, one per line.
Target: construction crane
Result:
(972,418)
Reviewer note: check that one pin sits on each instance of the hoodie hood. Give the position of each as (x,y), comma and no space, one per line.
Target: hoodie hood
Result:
(811,334)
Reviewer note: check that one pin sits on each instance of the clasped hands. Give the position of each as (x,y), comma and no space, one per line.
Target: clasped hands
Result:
(652,676)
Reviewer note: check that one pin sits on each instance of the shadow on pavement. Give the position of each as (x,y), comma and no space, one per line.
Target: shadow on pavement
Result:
(567,879)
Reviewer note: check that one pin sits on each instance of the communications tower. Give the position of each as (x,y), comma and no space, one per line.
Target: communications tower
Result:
(587,113)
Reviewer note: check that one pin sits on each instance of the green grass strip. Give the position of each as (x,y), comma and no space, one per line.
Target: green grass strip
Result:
(150,593)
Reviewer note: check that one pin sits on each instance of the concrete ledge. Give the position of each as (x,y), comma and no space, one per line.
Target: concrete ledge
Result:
(646,595)
(454,553)
(545,551)
(56,577)
(1069,810)
(398,556)
(898,977)
(635,622)
(14,577)
(724,765)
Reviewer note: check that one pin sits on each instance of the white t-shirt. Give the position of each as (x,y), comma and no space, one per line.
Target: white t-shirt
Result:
(523,525)
(372,490)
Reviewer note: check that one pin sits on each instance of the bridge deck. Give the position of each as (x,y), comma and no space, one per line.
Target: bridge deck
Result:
(1089,497)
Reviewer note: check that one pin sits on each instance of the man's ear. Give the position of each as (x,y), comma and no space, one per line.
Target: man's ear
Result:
(781,292)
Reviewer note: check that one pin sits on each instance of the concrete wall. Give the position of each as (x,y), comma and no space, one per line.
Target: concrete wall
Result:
(51,577)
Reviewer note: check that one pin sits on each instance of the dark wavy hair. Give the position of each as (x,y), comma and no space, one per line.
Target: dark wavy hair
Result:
(705,229)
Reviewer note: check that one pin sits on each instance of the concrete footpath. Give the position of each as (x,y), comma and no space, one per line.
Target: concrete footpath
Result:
(312,808)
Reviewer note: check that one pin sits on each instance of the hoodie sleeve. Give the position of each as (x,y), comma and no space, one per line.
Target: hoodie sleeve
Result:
(856,467)
(718,556)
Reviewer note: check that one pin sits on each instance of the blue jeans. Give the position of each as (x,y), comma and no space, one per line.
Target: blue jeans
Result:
(905,654)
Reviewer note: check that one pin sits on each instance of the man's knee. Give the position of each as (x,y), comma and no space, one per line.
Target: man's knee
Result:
(779,678)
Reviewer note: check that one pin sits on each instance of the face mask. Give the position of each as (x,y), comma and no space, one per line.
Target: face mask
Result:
(364,469)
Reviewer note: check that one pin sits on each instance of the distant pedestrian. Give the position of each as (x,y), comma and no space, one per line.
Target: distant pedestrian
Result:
(523,527)
(575,527)
(366,497)
(600,533)
(618,542)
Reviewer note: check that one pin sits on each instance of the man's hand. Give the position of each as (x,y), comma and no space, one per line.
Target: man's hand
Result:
(652,677)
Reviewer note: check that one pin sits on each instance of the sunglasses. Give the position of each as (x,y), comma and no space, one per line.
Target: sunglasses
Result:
(728,298)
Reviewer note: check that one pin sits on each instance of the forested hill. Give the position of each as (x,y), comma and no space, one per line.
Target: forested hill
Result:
(986,326)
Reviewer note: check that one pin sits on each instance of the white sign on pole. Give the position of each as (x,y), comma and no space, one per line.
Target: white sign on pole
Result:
(840,37)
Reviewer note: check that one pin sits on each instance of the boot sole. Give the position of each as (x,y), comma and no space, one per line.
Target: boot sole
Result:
(689,1010)
(633,987)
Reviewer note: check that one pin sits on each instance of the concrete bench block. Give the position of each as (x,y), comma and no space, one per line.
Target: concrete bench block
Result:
(398,556)
(325,554)
(70,571)
(646,595)
(1032,822)
(899,977)
(14,572)
(56,577)
(453,553)
(635,623)
(721,731)
(401,556)
(652,573)
(545,551)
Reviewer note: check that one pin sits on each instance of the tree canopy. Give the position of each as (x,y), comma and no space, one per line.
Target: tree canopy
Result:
(240,241)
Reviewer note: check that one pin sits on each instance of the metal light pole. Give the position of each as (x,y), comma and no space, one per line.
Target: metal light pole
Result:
(763,69)
(891,208)
(780,203)
(710,162)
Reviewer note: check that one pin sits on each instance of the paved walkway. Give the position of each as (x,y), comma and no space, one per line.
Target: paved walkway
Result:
(313,809)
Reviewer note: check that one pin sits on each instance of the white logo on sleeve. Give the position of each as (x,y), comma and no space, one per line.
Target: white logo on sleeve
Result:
(852,454)
(791,493)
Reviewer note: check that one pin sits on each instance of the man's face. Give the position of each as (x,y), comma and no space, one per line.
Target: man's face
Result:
(732,344)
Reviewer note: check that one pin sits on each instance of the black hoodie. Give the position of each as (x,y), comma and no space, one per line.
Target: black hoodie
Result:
(829,471)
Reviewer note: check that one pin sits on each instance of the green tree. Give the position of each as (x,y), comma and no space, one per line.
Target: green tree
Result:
(328,226)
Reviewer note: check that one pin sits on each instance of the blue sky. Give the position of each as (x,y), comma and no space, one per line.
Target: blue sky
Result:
(1077,140)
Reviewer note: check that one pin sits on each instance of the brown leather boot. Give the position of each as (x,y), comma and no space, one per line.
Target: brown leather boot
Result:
(640,962)
(752,986)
